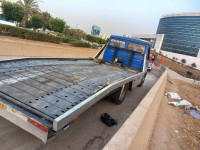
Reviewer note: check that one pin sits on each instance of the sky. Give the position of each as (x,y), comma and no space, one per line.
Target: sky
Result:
(118,17)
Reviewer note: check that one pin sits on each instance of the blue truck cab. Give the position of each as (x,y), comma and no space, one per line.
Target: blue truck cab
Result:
(132,53)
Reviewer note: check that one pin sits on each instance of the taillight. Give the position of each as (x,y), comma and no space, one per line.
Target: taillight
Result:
(38,125)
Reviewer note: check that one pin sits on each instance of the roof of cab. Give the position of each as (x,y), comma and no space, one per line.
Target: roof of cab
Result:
(129,39)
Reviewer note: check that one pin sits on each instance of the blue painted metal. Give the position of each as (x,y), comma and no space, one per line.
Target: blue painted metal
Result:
(125,54)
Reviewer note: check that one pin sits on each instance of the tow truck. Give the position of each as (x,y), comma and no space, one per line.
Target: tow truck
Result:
(44,95)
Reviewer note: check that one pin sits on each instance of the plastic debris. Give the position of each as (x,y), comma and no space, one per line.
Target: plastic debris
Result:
(181,103)
(107,119)
(176,131)
(173,95)
(194,113)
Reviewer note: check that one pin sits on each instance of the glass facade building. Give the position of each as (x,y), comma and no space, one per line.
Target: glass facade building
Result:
(182,33)
(95,30)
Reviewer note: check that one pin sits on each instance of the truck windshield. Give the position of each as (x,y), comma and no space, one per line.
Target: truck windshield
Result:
(117,43)
(136,47)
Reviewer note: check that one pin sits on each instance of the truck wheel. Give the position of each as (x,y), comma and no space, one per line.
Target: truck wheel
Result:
(119,95)
(142,81)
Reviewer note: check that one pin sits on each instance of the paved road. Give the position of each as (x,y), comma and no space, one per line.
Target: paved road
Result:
(86,133)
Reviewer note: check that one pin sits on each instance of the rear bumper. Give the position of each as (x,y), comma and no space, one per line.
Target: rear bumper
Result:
(26,123)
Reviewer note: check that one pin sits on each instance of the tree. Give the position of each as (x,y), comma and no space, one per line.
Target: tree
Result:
(57,24)
(13,11)
(183,61)
(46,17)
(37,22)
(193,65)
(77,34)
(95,39)
(66,30)
(31,8)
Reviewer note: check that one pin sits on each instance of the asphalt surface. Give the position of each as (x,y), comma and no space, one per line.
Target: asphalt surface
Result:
(87,132)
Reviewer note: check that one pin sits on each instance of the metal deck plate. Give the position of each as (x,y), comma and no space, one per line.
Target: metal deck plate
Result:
(52,87)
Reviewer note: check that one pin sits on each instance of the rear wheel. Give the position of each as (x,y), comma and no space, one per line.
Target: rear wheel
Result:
(142,81)
(118,96)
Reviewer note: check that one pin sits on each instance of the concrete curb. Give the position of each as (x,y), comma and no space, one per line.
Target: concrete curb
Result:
(136,132)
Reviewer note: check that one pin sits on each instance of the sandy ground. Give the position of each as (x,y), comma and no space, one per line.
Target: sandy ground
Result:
(16,47)
(18,40)
(175,130)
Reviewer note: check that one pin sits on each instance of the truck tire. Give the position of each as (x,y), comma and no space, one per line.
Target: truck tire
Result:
(142,81)
(118,96)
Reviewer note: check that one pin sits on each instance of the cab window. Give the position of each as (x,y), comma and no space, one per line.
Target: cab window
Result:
(117,43)
(136,47)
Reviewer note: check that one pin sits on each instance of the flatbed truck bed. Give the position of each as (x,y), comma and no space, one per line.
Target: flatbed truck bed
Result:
(43,95)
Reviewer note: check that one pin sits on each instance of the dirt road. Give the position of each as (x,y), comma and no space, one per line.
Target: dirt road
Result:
(86,133)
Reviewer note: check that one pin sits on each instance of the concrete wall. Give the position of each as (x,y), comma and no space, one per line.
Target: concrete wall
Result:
(189,59)
(25,49)
(136,132)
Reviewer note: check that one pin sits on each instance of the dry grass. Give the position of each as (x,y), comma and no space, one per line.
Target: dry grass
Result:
(174,129)
(188,126)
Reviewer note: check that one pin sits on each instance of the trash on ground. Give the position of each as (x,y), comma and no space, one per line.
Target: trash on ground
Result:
(173,95)
(176,131)
(107,119)
(197,108)
(184,103)
(194,113)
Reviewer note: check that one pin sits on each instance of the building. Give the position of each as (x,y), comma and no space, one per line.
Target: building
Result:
(95,30)
(178,36)
(155,40)
(1,11)
(182,33)
(106,36)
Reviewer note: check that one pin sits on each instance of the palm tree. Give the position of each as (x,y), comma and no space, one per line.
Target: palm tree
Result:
(31,8)
(47,17)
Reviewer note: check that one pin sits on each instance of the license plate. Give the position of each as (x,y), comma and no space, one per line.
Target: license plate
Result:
(2,106)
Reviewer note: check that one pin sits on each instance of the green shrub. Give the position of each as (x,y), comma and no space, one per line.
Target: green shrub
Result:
(95,39)
(183,61)
(71,40)
(28,34)
(188,73)
(57,24)
(193,65)
(94,46)
(13,11)
(65,40)
(80,44)
(37,21)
